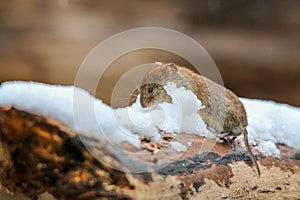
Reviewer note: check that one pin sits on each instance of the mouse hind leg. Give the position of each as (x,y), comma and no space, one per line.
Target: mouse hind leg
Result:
(229,138)
(225,136)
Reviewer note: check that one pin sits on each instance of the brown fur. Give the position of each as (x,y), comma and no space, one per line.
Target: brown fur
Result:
(223,110)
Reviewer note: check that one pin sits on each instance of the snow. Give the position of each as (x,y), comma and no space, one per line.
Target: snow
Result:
(179,116)
(67,104)
(269,122)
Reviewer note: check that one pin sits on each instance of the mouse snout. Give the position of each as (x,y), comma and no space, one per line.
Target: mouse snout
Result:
(144,105)
(144,102)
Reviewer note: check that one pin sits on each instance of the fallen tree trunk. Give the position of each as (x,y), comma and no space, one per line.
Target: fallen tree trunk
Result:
(39,155)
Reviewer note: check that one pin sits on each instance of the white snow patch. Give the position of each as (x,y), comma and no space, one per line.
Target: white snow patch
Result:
(268,148)
(67,104)
(85,114)
(269,122)
(179,116)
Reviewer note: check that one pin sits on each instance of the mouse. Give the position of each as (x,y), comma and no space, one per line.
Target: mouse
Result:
(222,110)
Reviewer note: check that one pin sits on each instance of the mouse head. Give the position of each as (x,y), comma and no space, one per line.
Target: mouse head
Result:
(153,94)
(152,90)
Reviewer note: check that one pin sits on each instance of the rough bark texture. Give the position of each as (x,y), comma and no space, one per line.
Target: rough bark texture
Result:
(39,155)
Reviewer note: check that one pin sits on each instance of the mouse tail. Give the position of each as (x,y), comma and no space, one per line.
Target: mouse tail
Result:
(245,134)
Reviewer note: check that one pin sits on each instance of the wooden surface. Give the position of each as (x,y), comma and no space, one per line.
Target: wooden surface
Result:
(39,155)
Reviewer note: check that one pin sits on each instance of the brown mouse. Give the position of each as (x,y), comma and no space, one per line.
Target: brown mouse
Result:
(223,111)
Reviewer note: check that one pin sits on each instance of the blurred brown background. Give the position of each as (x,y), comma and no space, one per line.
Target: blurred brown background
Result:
(255,44)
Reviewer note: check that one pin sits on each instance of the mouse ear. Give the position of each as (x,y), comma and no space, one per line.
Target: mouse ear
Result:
(156,64)
(172,67)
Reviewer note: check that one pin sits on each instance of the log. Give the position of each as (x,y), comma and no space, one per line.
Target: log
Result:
(40,155)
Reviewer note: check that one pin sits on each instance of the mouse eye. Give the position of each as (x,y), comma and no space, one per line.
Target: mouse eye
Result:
(150,90)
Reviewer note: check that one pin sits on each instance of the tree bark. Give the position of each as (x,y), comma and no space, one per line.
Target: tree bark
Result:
(39,155)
